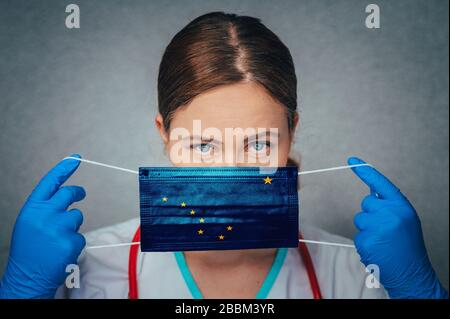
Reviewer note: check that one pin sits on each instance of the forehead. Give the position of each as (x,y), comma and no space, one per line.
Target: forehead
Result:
(241,105)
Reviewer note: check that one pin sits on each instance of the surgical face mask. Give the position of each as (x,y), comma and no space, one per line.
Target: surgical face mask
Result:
(226,196)
(217,208)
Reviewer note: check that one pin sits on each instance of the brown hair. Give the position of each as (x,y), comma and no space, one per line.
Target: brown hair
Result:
(221,48)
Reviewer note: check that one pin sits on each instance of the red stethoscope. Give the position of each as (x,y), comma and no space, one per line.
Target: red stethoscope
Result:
(134,251)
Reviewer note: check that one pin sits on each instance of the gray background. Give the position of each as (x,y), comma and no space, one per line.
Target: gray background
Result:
(378,94)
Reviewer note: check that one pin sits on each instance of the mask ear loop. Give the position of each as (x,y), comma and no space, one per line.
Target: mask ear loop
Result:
(136,172)
(102,164)
(333,168)
(299,173)
(300,241)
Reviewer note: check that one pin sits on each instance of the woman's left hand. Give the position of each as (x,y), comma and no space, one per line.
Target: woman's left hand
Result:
(390,236)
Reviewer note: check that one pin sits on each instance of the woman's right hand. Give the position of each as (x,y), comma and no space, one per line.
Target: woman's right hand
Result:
(45,238)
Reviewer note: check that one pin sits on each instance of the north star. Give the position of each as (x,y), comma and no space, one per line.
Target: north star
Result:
(192,309)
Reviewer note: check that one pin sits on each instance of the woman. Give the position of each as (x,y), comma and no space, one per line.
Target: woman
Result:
(227,71)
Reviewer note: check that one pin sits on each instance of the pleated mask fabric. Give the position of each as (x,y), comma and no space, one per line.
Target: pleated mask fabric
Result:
(217,208)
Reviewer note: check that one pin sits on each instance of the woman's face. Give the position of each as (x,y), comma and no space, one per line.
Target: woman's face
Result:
(232,125)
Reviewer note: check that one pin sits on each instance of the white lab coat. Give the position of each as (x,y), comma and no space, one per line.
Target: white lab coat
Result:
(104,272)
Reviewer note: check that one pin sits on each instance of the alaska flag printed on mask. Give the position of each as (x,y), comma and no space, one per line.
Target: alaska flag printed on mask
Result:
(217,208)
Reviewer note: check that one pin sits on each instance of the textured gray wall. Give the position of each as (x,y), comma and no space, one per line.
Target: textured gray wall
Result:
(379,94)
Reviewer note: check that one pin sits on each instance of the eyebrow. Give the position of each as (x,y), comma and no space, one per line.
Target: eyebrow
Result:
(198,137)
(267,133)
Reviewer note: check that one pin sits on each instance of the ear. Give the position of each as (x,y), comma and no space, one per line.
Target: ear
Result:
(159,123)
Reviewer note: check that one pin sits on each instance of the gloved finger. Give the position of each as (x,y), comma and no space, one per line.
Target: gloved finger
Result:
(66,196)
(360,241)
(78,242)
(50,183)
(374,194)
(363,220)
(370,203)
(69,220)
(376,181)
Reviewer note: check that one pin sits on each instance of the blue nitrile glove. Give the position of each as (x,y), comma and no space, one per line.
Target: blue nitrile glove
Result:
(391,237)
(45,238)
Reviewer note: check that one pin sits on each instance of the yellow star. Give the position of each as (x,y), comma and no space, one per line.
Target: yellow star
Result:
(267,180)
(164,199)
(192,212)
(183,204)
(200,231)
(202,220)
(229,228)
(221,237)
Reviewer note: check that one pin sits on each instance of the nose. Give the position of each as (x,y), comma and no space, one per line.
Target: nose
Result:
(233,156)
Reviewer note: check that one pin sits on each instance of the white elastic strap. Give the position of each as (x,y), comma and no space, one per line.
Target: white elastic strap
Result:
(102,164)
(300,173)
(136,172)
(333,168)
(300,240)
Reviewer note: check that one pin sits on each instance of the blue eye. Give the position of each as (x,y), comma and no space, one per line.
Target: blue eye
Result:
(204,147)
(258,146)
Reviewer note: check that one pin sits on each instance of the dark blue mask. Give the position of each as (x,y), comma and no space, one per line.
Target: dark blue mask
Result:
(217,208)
